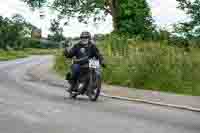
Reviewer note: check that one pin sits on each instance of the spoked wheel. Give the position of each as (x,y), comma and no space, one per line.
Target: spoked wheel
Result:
(95,88)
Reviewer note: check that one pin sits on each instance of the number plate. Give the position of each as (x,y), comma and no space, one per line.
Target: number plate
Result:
(94,64)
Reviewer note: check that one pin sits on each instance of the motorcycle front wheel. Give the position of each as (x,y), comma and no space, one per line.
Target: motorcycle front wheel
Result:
(94,87)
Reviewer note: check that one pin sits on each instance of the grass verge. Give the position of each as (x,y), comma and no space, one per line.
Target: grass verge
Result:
(147,65)
(11,55)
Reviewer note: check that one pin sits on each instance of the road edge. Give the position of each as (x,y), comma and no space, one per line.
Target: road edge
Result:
(151,102)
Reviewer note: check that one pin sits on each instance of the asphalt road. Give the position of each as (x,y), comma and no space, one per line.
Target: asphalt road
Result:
(31,107)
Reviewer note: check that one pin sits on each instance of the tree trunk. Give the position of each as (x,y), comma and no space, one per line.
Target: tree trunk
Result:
(115,10)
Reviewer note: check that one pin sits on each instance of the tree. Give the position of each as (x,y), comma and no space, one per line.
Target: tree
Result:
(55,26)
(18,18)
(129,16)
(57,31)
(135,18)
(8,33)
(13,32)
(192,9)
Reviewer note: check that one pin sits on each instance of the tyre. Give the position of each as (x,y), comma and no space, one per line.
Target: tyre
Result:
(95,88)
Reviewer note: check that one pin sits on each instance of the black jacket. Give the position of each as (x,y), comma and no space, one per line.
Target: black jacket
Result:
(80,51)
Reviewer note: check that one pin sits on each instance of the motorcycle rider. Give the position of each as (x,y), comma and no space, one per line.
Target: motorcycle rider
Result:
(82,51)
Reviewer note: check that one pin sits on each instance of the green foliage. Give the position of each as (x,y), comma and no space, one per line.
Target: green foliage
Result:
(35,3)
(70,8)
(135,18)
(191,28)
(132,17)
(19,19)
(57,31)
(13,32)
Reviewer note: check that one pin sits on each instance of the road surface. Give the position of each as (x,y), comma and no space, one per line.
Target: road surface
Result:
(28,106)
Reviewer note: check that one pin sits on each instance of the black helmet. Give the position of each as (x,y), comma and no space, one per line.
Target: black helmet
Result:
(85,34)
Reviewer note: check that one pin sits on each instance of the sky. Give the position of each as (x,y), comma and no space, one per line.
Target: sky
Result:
(164,13)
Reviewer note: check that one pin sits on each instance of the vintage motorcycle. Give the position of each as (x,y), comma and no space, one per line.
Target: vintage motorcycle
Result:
(89,81)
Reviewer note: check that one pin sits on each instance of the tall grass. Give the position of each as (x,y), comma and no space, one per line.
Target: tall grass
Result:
(150,65)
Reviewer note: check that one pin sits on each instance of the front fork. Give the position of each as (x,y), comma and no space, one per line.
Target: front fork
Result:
(92,78)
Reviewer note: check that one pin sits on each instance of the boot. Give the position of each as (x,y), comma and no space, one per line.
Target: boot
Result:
(71,85)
